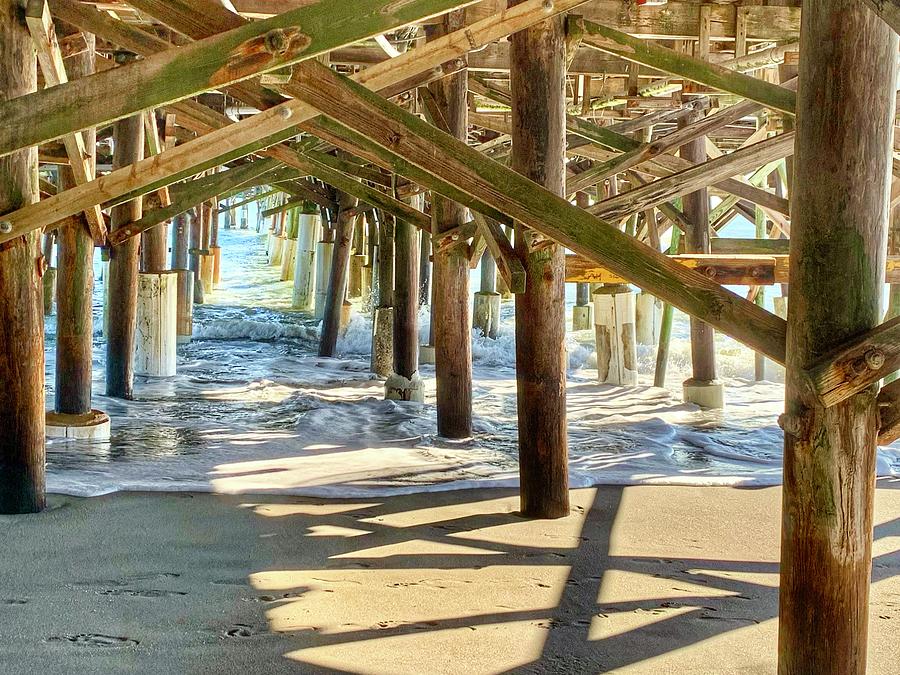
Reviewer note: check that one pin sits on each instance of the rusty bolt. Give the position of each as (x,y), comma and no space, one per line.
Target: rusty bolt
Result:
(276,41)
(5,226)
(874,359)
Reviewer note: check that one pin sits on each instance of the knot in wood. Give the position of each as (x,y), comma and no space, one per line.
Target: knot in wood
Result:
(5,226)
(277,42)
(792,424)
(757,272)
(874,359)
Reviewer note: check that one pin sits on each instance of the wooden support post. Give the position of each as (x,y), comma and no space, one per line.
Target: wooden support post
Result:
(196,245)
(123,269)
(582,314)
(537,78)
(181,226)
(404,383)
(383,320)
(337,282)
(759,360)
(842,169)
(75,279)
(21,307)
(702,387)
(451,323)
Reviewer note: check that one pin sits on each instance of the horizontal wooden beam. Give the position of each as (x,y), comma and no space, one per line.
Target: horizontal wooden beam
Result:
(759,270)
(726,245)
(431,150)
(216,61)
(268,127)
(667,60)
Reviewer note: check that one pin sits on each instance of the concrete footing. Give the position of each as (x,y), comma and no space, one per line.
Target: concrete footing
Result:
(383,341)
(93,425)
(648,315)
(781,305)
(323,272)
(705,394)
(614,316)
(582,317)
(346,311)
(486,313)
(276,250)
(426,355)
(185,306)
(354,278)
(398,388)
(155,339)
(304,295)
(207,273)
(216,253)
(288,259)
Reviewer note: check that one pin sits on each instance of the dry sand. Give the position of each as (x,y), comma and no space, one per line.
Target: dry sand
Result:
(640,579)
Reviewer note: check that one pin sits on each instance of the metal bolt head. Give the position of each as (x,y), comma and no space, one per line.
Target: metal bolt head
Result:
(874,359)
(286,113)
(5,226)
(547,5)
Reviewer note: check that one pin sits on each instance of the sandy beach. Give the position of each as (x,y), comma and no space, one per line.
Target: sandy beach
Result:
(637,579)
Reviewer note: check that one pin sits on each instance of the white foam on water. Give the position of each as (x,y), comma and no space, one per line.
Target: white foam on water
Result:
(253,410)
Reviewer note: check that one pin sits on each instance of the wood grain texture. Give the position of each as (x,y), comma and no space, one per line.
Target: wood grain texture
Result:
(537,79)
(21,305)
(842,167)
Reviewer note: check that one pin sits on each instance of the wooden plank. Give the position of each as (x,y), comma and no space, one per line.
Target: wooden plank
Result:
(857,364)
(50,58)
(889,413)
(696,177)
(267,128)
(888,10)
(216,61)
(418,143)
(727,270)
(697,70)
(507,260)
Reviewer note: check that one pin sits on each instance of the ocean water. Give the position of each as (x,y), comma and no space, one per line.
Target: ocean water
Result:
(254,410)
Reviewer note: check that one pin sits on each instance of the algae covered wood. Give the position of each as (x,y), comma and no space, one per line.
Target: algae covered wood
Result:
(437,153)
(538,98)
(123,270)
(450,306)
(21,306)
(698,176)
(691,68)
(840,188)
(270,126)
(213,62)
(855,365)
(50,57)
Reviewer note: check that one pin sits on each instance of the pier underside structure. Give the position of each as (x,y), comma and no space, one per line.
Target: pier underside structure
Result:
(595,142)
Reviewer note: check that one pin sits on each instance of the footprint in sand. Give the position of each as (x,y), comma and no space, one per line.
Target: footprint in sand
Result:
(95,640)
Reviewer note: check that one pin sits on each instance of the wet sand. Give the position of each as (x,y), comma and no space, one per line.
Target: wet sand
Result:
(637,579)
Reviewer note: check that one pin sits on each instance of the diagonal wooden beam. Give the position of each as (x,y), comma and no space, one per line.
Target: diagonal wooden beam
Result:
(856,365)
(688,67)
(271,126)
(508,262)
(216,61)
(888,10)
(694,178)
(431,150)
(43,33)
(189,195)
(889,412)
